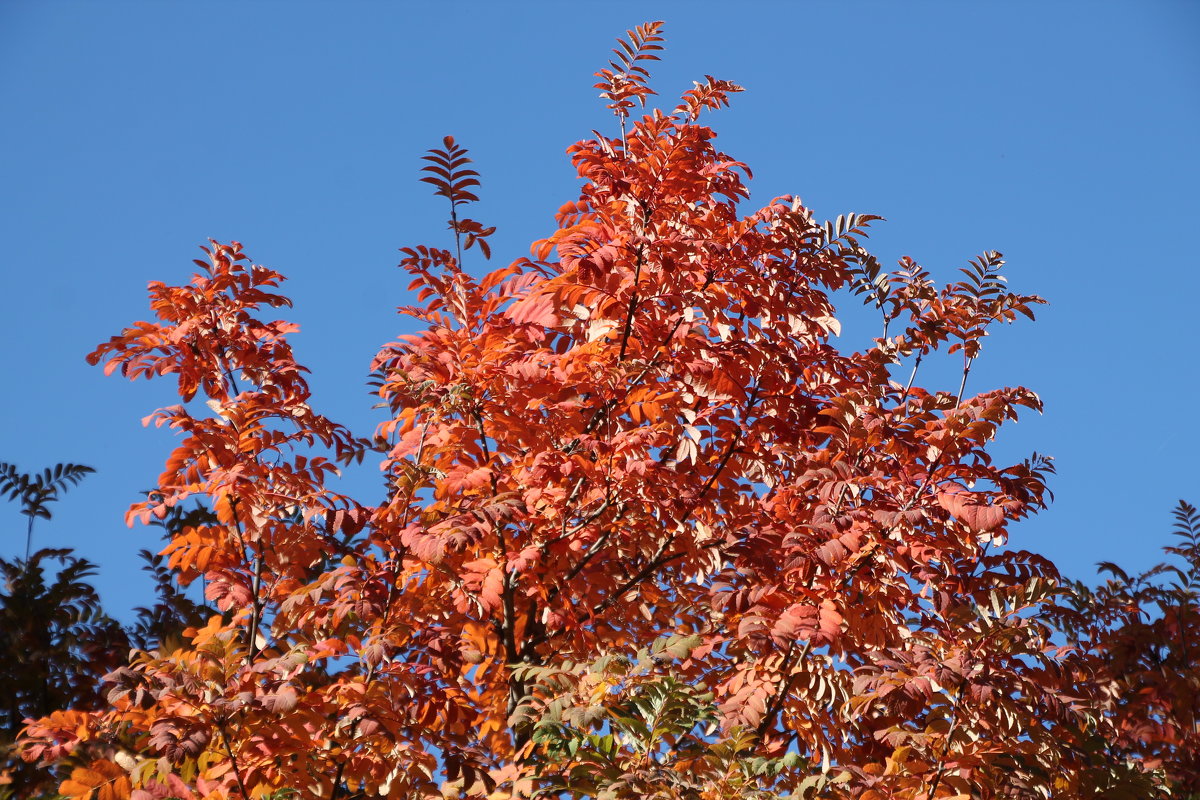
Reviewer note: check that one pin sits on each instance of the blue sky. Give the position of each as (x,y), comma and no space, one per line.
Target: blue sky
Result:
(1062,134)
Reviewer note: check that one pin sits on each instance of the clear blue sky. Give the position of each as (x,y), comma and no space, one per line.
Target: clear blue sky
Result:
(1063,134)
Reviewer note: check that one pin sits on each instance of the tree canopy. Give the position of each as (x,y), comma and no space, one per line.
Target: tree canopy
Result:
(646,529)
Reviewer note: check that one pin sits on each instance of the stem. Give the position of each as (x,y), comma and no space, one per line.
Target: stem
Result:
(962,386)
(958,691)
(457,232)
(228,370)
(256,611)
(633,299)
(912,501)
(597,416)
(837,506)
(655,562)
(507,627)
(604,408)
(256,586)
(941,767)
(341,770)
(28,538)
(237,772)
(911,379)
(567,506)
(658,559)
(393,553)
(776,703)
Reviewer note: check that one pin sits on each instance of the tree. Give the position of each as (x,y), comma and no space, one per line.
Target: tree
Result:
(645,529)
(1139,632)
(37,490)
(56,641)
(56,644)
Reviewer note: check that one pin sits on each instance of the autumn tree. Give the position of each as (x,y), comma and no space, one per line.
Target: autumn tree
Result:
(647,527)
